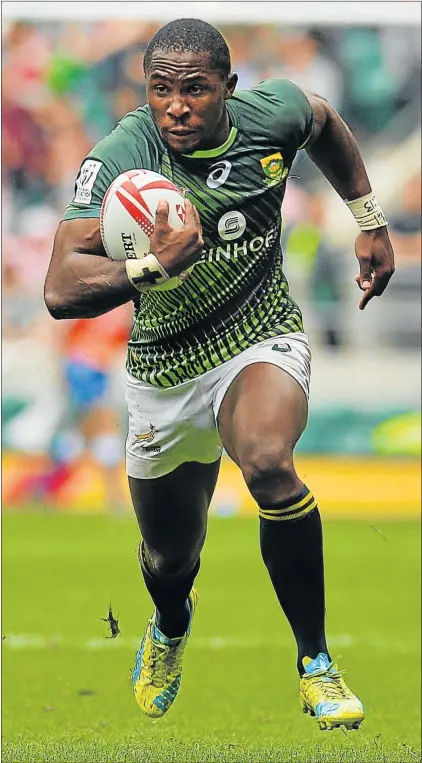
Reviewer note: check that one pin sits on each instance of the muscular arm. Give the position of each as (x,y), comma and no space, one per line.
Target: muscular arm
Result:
(81,281)
(334,150)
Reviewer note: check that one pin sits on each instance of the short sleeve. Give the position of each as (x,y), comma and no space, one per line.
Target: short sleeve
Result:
(293,116)
(92,181)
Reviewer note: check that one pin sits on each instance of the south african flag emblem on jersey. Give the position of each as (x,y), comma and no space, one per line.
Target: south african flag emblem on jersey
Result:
(274,168)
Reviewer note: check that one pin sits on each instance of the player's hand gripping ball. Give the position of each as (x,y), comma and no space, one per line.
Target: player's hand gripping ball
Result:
(127,215)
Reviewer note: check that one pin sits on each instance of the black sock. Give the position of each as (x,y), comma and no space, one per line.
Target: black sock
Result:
(170,598)
(291,546)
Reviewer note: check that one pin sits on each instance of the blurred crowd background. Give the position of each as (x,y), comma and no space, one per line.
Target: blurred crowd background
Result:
(65,84)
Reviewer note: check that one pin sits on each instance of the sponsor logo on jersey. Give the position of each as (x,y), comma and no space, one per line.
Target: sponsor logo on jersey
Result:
(274,168)
(85,181)
(281,347)
(243,248)
(232,225)
(219,173)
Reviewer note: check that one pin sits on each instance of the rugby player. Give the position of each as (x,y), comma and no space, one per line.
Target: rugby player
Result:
(221,359)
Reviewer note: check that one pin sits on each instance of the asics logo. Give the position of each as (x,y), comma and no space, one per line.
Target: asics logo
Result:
(219,174)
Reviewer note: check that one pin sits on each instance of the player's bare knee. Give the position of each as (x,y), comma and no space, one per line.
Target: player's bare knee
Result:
(269,474)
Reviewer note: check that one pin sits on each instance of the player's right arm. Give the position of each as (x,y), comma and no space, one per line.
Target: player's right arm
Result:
(82,282)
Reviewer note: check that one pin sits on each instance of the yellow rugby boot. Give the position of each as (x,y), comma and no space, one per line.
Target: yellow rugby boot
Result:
(325,695)
(158,668)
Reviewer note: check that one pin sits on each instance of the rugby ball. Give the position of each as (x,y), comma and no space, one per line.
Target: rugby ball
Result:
(128,210)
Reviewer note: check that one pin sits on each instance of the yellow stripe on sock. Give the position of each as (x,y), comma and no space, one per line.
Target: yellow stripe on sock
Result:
(284,517)
(300,504)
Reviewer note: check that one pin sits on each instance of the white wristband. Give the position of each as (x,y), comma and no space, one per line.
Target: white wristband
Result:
(367,212)
(146,272)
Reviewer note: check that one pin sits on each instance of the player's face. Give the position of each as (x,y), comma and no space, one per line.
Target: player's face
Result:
(187,100)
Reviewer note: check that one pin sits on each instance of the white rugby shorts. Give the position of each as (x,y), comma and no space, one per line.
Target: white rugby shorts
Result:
(170,426)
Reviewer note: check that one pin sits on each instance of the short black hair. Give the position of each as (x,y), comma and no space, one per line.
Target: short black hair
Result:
(193,36)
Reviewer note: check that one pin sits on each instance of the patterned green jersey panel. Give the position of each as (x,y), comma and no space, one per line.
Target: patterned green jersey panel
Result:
(284,110)
(236,294)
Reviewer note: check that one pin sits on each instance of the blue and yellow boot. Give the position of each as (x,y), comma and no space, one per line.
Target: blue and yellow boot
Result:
(325,695)
(158,667)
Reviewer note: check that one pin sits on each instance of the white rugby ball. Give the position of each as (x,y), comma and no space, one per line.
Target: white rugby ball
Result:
(127,216)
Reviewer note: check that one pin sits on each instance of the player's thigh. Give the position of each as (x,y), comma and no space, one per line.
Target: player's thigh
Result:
(172,510)
(261,418)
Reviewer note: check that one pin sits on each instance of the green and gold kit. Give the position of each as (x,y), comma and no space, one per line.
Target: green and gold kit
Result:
(236,295)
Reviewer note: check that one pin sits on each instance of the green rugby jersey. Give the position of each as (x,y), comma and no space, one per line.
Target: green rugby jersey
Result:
(236,295)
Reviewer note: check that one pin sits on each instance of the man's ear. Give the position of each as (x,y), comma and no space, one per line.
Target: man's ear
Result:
(230,86)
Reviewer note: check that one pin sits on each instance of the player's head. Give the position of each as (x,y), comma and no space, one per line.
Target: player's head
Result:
(187,70)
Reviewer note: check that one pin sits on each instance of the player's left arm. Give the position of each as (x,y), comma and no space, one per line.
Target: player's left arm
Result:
(333,148)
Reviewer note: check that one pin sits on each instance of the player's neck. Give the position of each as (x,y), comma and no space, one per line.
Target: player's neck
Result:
(220,134)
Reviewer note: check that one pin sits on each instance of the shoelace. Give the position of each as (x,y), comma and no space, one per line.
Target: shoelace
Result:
(161,662)
(327,682)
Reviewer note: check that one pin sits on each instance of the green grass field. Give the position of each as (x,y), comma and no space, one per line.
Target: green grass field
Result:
(66,688)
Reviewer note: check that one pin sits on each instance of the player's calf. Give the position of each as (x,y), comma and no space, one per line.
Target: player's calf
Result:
(169,580)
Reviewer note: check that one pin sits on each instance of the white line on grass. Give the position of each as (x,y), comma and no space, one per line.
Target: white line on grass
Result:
(34,641)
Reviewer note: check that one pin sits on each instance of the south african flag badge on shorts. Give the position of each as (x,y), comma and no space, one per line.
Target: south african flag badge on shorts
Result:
(274,168)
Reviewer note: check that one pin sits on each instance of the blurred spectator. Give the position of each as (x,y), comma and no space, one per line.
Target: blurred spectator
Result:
(243,62)
(405,225)
(91,427)
(327,279)
(402,56)
(27,242)
(30,405)
(19,308)
(371,90)
(23,149)
(67,145)
(26,54)
(298,58)
(315,268)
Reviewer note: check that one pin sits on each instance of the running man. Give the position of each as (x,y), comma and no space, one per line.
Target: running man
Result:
(222,357)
